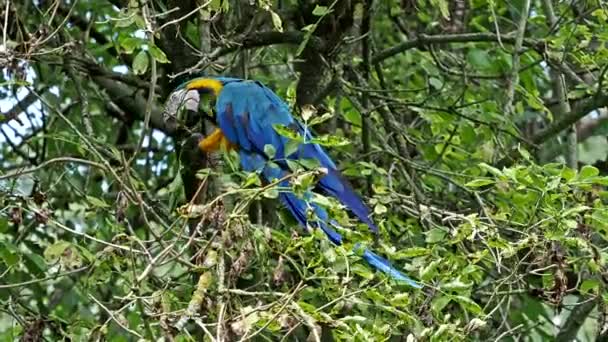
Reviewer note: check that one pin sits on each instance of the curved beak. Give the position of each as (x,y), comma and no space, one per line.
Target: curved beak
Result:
(183,98)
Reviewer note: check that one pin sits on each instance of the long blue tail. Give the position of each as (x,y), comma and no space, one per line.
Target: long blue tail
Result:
(298,209)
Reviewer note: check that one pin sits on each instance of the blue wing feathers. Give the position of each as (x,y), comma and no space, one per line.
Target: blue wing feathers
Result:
(248,98)
(226,121)
(338,187)
(246,113)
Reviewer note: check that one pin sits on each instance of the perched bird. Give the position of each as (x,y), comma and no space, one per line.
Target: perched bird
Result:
(246,113)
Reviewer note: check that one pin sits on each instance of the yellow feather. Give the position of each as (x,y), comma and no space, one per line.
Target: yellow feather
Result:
(214,86)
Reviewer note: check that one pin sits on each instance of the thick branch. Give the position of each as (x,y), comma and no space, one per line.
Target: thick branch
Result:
(586,128)
(254,40)
(577,317)
(424,39)
(258,39)
(132,101)
(579,110)
(21,106)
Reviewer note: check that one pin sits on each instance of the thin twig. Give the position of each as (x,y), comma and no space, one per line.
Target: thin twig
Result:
(41,280)
(116,320)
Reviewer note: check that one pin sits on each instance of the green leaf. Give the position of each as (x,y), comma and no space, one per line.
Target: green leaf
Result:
(600,14)
(276,21)
(140,63)
(523,152)
(428,272)
(129,44)
(158,54)
(219,5)
(380,209)
(54,251)
(330,140)
(412,252)
(125,20)
(589,285)
(291,147)
(588,171)
(439,303)
(309,164)
(309,28)
(568,174)
(304,180)
(3,225)
(320,119)
(287,132)
(362,271)
(322,200)
(293,165)
(491,169)
(468,304)
(476,183)
(269,151)
(435,83)
(35,263)
(456,285)
(252,179)
(479,59)
(8,254)
(352,116)
(435,235)
(443,8)
(271,193)
(320,11)
(97,202)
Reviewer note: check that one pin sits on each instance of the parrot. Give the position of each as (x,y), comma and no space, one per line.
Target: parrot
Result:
(246,113)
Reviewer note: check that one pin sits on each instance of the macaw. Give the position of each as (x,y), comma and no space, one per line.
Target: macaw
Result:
(245,113)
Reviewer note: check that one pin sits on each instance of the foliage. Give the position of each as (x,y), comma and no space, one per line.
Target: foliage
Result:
(474,129)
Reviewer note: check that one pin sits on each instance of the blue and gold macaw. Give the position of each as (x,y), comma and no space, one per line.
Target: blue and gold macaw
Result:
(245,113)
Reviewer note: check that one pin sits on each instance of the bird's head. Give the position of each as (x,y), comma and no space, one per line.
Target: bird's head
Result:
(209,88)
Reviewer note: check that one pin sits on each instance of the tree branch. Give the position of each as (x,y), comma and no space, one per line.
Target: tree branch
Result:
(257,39)
(576,319)
(579,110)
(21,106)
(513,80)
(424,39)
(133,102)
(561,93)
